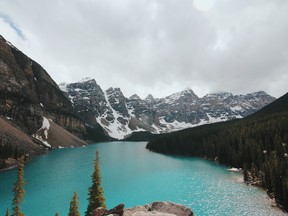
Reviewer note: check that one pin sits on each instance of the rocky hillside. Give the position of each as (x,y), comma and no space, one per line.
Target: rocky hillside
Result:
(14,143)
(119,116)
(27,92)
(29,98)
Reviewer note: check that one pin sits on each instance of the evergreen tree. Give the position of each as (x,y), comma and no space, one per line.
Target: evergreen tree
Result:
(7,212)
(19,190)
(96,195)
(74,209)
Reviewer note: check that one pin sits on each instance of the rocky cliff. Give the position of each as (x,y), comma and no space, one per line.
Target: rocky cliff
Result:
(28,96)
(119,116)
(27,92)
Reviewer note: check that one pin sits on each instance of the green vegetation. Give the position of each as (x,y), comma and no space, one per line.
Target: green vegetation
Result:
(74,209)
(8,151)
(258,144)
(96,195)
(19,190)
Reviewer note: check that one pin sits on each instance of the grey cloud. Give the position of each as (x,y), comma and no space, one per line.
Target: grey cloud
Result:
(158,46)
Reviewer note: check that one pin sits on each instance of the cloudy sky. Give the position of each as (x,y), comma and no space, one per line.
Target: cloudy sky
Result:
(156,46)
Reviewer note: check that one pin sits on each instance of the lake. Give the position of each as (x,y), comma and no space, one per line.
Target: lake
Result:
(134,176)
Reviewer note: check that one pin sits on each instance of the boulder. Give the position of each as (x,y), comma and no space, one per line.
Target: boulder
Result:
(159,209)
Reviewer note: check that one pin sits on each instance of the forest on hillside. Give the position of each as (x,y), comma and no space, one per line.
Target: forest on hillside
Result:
(258,144)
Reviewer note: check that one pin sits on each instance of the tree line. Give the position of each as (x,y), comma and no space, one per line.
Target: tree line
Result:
(95,193)
(9,151)
(258,144)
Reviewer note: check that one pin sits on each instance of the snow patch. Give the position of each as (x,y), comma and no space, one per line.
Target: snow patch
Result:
(237,108)
(38,137)
(45,128)
(175,125)
(85,79)
(114,128)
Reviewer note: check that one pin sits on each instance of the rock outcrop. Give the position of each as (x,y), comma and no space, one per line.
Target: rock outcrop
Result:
(152,209)
(159,209)
(120,116)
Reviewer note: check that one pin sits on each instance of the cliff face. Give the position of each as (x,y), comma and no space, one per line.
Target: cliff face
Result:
(27,93)
(28,98)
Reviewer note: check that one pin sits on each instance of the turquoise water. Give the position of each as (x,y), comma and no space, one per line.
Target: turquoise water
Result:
(134,176)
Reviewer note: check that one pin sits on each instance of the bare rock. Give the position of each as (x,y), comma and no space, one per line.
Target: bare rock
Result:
(159,209)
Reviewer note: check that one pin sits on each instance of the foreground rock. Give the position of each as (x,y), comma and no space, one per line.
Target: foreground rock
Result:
(159,209)
(152,209)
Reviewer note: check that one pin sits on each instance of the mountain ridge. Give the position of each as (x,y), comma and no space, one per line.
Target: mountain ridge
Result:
(120,116)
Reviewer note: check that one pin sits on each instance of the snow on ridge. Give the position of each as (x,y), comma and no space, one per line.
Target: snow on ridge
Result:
(175,125)
(176,96)
(63,87)
(114,128)
(85,79)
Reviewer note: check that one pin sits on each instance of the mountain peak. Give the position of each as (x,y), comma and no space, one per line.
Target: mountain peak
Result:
(87,79)
(149,97)
(220,95)
(187,89)
(259,93)
(134,97)
(111,89)
(187,92)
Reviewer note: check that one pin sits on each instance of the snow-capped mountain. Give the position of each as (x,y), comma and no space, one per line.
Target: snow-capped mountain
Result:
(120,116)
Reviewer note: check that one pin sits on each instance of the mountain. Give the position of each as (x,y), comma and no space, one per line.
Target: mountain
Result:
(257,143)
(278,106)
(120,116)
(31,103)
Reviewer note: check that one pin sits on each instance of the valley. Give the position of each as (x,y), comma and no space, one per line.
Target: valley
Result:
(244,131)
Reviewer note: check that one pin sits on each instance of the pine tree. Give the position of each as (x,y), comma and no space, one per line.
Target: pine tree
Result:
(19,190)
(7,212)
(74,209)
(96,195)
